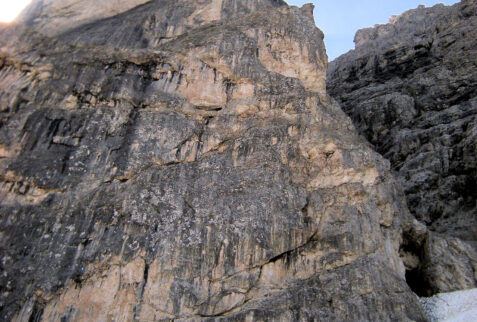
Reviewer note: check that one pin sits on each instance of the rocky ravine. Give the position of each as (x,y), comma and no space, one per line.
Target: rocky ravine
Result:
(411,89)
(182,160)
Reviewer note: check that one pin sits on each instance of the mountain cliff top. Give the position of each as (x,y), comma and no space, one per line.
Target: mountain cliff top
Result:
(413,26)
(54,17)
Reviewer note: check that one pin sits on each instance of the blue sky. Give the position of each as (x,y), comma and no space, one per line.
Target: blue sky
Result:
(340,19)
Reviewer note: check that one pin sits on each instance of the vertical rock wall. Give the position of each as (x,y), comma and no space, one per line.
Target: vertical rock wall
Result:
(192,171)
(410,87)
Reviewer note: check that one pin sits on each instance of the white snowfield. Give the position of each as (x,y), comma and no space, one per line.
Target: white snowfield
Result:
(458,306)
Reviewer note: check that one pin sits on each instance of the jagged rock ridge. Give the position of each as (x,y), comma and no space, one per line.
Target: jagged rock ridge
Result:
(410,87)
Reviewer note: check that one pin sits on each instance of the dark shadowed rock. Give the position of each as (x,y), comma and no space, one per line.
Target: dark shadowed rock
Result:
(410,87)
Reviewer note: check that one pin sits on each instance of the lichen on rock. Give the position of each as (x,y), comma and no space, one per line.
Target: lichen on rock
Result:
(181,160)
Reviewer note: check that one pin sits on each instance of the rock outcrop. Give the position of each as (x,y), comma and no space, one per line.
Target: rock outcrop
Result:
(181,159)
(410,87)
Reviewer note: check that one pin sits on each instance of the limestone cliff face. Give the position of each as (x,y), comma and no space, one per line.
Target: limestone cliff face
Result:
(194,170)
(56,16)
(410,87)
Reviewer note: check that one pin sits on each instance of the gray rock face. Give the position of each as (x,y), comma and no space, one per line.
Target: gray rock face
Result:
(206,176)
(55,16)
(411,89)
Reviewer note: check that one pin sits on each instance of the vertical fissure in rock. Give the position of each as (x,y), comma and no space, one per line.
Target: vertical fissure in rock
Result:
(418,283)
(140,293)
(36,313)
(413,255)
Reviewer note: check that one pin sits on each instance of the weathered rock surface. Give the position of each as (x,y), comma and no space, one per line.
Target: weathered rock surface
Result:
(195,170)
(52,17)
(410,87)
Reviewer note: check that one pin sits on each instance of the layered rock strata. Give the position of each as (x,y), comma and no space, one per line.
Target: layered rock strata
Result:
(194,170)
(410,87)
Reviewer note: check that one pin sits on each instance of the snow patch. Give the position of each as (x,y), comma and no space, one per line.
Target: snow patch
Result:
(458,306)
